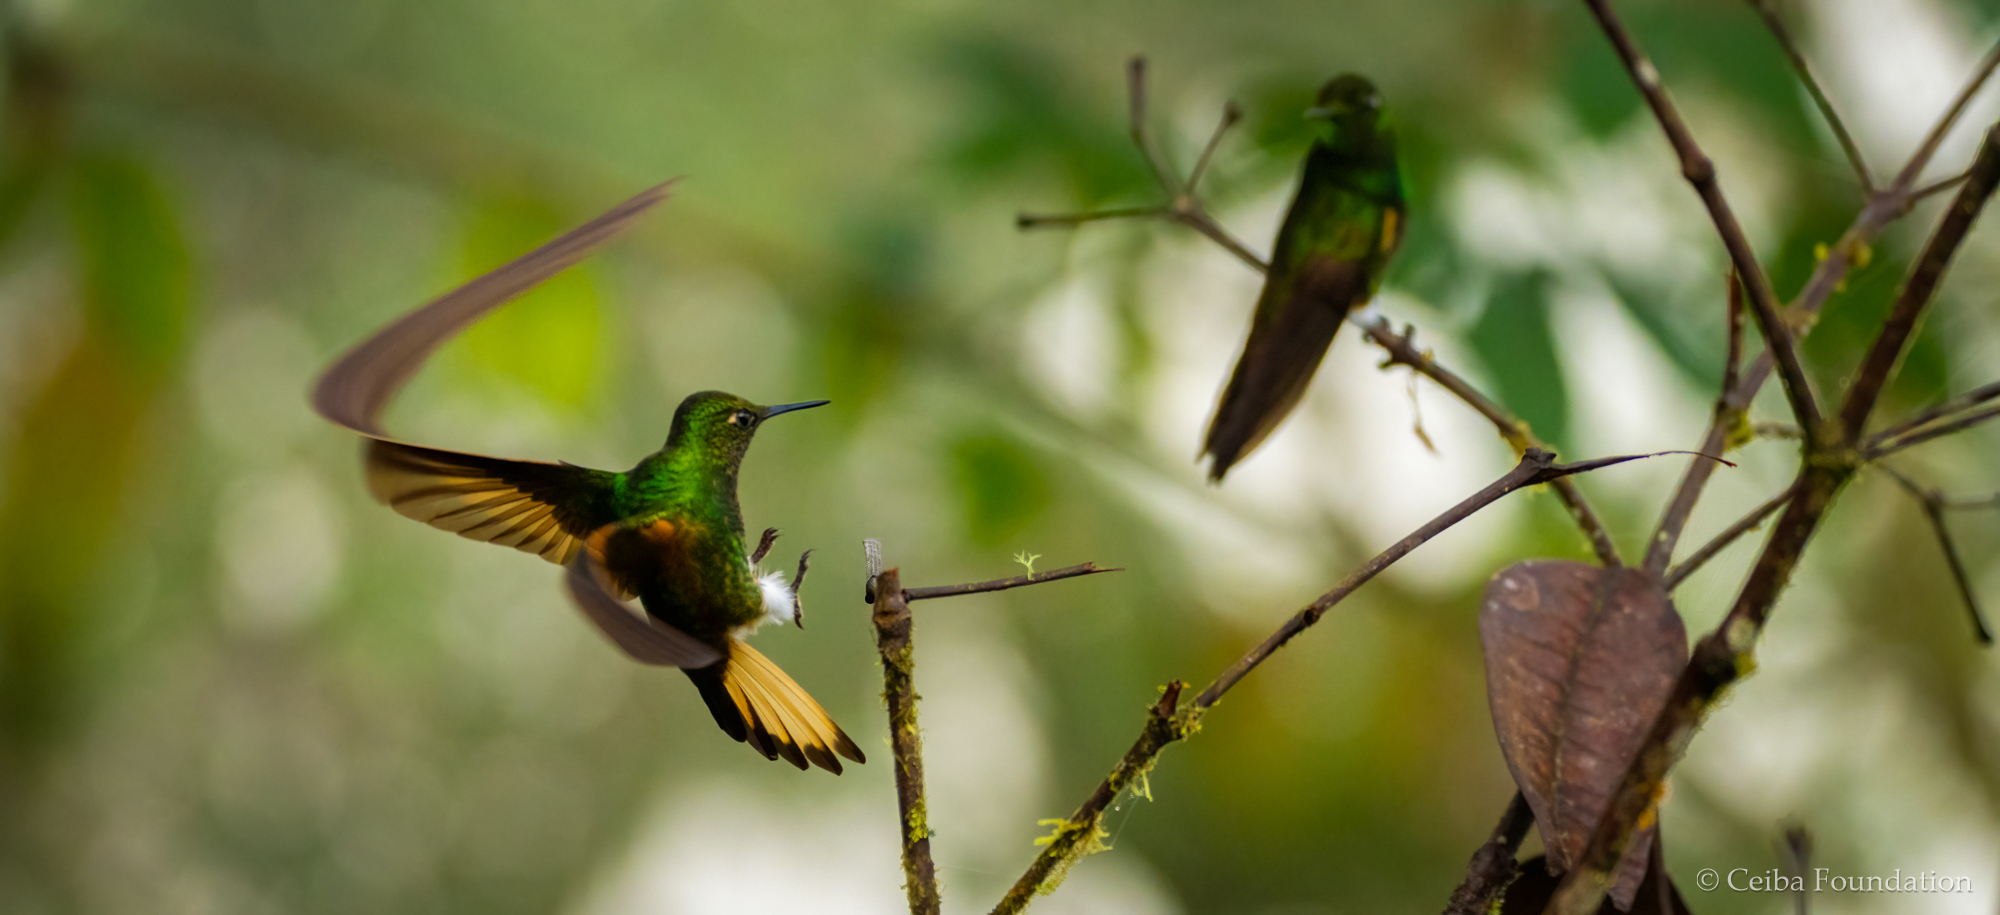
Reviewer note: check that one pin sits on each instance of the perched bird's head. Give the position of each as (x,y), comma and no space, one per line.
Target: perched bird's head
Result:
(720,425)
(1353,112)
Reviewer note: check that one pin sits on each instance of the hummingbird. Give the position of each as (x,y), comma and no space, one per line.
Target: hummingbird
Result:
(668,532)
(1337,238)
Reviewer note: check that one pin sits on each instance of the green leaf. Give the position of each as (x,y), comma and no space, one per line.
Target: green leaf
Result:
(1003,489)
(134,262)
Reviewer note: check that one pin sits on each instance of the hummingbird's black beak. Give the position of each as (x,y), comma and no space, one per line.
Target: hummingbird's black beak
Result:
(789,407)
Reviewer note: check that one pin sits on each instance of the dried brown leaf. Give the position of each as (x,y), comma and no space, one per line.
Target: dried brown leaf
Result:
(1579,661)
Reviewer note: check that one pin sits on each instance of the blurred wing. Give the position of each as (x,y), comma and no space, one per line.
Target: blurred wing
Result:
(355,389)
(641,638)
(533,506)
(1280,357)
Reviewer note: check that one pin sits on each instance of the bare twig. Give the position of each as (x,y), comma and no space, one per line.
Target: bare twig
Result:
(1777,26)
(1934,504)
(1002,584)
(1936,187)
(1728,414)
(1699,171)
(1959,423)
(1078,835)
(1729,535)
(1921,287)
(1965,401)
(1492,867)
(892,639)
(1040,220)
(1230,115)
(1403,350)
(1536,467)
(1922,157)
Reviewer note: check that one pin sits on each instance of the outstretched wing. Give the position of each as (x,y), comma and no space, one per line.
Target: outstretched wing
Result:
(354,390)
(1280,357)
(533,506)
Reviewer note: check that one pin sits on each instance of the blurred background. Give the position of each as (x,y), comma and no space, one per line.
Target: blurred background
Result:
(230,683)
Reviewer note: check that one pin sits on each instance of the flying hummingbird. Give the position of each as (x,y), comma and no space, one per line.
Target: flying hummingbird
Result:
(1337,237)
(668,531)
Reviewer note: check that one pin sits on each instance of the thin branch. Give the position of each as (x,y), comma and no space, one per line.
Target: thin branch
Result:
(1921,288)
(1492,867)
(1777,26)
(1729,535)
(1959,424)
(1042,220)
(1536,467)
(892,639)
(1403,350)
(1699,171)
(1230,115)
(1936,187)
(1002,584)
(1079,834)
(1728,414)
(1934,504)
(1922,157)
(1965,401)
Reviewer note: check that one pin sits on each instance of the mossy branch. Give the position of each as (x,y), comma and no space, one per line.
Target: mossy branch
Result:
(899,693)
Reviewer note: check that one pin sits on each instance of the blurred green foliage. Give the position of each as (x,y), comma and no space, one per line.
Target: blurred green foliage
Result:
(229,682)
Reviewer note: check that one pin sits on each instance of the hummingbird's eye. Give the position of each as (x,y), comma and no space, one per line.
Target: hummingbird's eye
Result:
(742,418)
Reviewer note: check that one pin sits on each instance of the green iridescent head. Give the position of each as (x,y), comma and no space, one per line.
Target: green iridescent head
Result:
(1353,112)
(720,425)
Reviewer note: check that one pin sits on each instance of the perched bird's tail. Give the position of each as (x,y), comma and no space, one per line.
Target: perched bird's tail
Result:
(757,703)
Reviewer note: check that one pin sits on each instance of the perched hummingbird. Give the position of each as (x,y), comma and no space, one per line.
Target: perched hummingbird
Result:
(1337,237)
(668,531)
